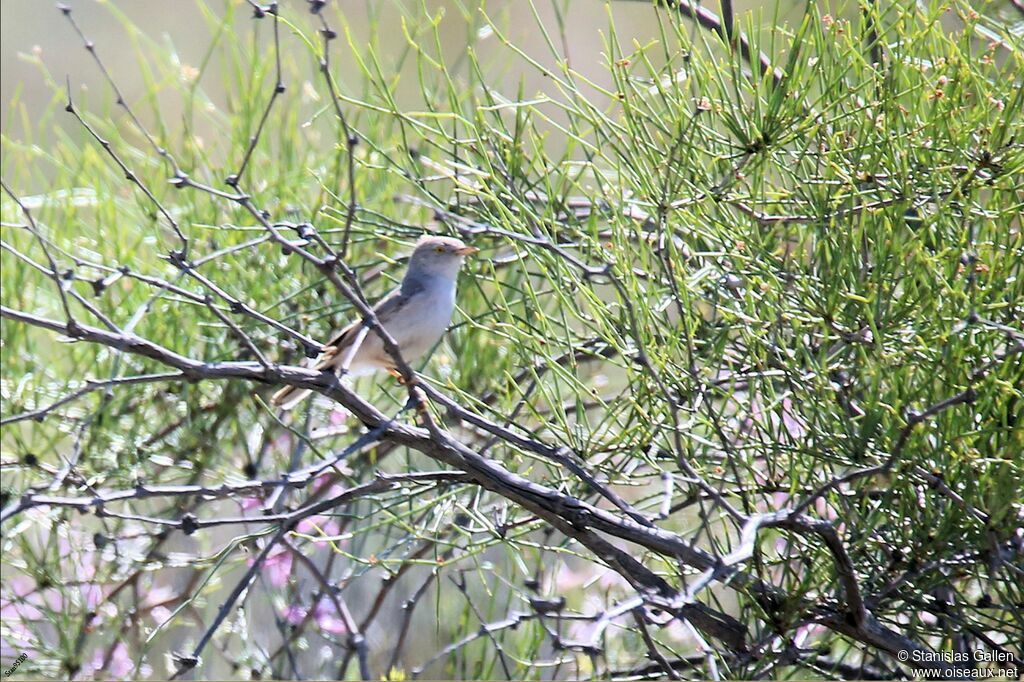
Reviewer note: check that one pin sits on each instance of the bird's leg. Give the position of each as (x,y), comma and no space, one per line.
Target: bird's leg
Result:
(416,398)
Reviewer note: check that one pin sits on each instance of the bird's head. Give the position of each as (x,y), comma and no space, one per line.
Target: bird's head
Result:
(438,256)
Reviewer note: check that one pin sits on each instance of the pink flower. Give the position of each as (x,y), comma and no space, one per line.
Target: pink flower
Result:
(54,599)
(94,595)
(155,599)
(781,545)
(334,491)
(278,566)
(324,615)
(160,614)
(294,614)
(325,479)
(318,526)
(17,588)
(248,503)
(159,594)
(795,426)
(328,621)
(332,528)
(824,510)
(18,608)
(283,442)
(19,640)
(311,524)
(776,502)
(117,667)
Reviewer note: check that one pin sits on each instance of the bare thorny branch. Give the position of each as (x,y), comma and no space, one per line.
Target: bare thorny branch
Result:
(568,515)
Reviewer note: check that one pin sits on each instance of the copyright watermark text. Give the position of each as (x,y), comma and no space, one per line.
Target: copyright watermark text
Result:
(18,661)
(980,664)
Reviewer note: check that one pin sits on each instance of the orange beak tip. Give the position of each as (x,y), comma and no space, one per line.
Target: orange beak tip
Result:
(467,251)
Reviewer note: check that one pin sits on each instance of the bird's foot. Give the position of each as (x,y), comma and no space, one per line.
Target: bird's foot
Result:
(417,401)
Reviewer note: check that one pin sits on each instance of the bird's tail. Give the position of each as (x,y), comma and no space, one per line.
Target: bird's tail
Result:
(289,396)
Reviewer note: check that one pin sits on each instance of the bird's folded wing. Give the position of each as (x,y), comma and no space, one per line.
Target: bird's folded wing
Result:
(385,309)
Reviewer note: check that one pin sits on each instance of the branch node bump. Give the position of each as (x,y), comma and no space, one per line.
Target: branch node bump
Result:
(189,524)
(177,258)
(185,662)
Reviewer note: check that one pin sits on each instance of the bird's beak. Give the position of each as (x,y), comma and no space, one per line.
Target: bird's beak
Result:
(466,251)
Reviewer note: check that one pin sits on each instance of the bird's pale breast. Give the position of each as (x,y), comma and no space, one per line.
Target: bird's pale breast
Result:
(416,327)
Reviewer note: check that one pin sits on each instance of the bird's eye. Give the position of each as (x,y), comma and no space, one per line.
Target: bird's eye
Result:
(439,249)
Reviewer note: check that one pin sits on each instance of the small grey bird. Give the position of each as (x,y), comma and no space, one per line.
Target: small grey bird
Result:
(416,314)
